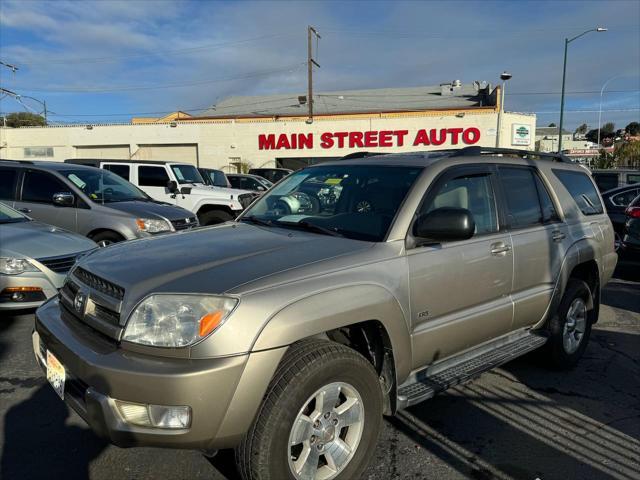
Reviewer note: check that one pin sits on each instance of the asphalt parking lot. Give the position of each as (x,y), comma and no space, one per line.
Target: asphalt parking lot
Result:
(520,421)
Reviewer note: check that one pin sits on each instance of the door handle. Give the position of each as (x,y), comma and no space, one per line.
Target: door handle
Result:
(558,236)
(499,248)
(25,210)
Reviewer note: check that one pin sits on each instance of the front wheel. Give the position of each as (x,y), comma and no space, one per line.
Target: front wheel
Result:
(319,420)
(214,217)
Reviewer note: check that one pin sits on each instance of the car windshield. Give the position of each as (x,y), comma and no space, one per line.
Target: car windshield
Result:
(187,174)
(102,186)
(9,215)
(263,181)
(353,201)
(218,178)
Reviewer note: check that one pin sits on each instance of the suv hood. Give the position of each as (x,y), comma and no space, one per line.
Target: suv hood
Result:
(212,260)
(151,209)
(39,240)
(220,192)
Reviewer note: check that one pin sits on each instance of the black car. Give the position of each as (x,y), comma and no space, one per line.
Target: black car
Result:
(617,200)
(253,183)
(630,246)
(274,175)
(215,178)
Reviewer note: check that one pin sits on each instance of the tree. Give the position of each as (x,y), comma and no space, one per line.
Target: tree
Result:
(24,119)
(605,160)
(552,124)
(633,128)
(628,154)
(608,128)
(582,129)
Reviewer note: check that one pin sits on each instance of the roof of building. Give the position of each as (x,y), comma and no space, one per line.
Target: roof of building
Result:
(445,96)
(545,131)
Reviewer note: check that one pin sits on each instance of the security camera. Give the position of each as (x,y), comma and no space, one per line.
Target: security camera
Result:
(505,76)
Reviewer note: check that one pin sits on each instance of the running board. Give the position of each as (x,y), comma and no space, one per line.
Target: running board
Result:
(438,378)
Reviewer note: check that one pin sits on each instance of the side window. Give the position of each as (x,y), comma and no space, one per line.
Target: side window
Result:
(622,199)
(549,212)
(633,178)
(39,187)
(582,190)
(521,197)
(233,181)
(121,170)
(606,181)
(473,192)
(152,176)
(8,184)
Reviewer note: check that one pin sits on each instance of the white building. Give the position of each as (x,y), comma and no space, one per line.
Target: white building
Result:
(275,130)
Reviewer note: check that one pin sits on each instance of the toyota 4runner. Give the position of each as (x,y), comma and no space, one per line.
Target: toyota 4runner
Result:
(350,290)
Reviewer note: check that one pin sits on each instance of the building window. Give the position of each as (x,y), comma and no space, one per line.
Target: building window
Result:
(38,152)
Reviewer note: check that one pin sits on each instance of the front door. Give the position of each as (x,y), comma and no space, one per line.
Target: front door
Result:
(460,289)
(36,200)
(153,180)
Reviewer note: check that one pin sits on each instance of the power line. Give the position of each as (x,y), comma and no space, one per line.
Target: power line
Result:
(180,51)
(289,68)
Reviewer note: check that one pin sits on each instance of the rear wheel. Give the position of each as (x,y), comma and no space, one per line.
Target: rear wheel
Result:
(213,217)
(104,239)
(570,328)
(319,420)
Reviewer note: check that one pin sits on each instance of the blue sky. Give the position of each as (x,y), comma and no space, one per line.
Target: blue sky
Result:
(104,60)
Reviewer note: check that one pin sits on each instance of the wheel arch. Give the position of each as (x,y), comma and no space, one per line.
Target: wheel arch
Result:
(98,231)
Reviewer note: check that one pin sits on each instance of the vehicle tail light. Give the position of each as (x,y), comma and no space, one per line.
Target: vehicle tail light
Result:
(633,212)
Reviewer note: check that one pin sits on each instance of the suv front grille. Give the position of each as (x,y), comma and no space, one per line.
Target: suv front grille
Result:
(59,264)
(100,284)
(246,198)
(184,223)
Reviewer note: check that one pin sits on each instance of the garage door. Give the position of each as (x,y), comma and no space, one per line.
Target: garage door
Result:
(186,152)
(120,152)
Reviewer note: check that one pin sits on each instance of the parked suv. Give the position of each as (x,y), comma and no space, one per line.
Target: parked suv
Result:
(180,184)
(289,333)
(274,175)
(89,201)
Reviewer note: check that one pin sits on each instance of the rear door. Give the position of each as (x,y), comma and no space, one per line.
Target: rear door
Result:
(459,290)
(36,199)
(540,241)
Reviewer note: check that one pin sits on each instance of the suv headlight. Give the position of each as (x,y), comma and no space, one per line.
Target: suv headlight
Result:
(16,266)
(152,225)
(177,320)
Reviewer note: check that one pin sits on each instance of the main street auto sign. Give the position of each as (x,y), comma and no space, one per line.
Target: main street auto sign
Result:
(369,139)
(520,134)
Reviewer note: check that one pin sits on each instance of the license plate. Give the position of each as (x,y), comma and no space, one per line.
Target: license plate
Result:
(55,374)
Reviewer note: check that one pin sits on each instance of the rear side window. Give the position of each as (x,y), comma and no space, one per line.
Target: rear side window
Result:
(8,183)
(582,190)
(633,178)
(120,170)
(521,197)
(152,177)
(39,187)
(606,181)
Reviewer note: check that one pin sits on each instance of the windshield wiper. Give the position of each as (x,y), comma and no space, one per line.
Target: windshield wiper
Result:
(311,227)
(257,221)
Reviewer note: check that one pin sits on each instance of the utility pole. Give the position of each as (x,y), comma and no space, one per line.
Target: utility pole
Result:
(310,63)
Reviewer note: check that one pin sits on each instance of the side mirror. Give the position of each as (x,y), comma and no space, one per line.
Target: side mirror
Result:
(63,199)
(172,186)
(445,223)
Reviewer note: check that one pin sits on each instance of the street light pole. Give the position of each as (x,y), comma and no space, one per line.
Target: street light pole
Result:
(600,109)
(504,77)
(567,41)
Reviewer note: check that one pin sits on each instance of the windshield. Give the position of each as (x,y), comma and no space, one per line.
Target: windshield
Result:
(263,181)
(218,178)
(187,174)
(354,201)
(9,215)
(102,186)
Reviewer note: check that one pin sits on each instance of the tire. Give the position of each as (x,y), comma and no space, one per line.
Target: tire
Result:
(560,352)
(104,239)
(308,368)
(214,217)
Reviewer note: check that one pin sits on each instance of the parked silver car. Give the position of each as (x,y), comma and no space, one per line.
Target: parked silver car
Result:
(90,201)
(34,259)
(289,333)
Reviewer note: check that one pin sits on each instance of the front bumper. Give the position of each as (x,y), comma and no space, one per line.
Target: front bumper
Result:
(49,283)
(98,372)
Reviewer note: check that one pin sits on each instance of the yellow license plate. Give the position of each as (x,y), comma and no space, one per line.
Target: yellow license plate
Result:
(55,374)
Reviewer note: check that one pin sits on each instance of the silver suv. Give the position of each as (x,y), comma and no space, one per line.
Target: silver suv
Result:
(92,202)
(350,290)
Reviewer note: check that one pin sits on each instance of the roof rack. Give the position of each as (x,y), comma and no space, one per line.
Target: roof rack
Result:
(353,155)
(476,151)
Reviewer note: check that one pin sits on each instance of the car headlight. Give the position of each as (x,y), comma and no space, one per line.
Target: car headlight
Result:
(16,266)
(177,320)
(152,225)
